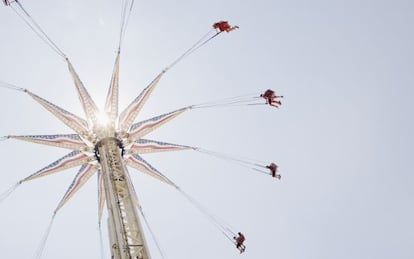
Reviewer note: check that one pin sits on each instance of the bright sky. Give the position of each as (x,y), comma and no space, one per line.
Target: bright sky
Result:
(343,138)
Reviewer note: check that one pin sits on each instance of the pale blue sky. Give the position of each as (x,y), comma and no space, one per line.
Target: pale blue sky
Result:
(343,138)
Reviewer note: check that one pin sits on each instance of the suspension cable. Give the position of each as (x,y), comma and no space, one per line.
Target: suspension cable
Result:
(151,232)
(138,206)
(242,160)
(126,10)
(9,191)
(35,27)
(11,86)
(122,22)
(223,227)
(43,241)
(101,248)
(255,165)
(226,230)
(231,101)
(199,43)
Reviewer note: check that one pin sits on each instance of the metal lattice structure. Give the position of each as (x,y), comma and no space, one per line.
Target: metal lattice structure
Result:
(126,237)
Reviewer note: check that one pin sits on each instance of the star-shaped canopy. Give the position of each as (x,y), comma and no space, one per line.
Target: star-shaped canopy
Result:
(99,124)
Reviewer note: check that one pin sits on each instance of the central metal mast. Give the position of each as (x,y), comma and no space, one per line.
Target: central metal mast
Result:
(125,231)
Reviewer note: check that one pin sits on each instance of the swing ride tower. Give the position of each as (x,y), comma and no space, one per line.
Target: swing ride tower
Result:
(106,142)
(125,233)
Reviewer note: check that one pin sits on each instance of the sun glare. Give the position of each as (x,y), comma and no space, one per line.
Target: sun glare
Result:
(102,119)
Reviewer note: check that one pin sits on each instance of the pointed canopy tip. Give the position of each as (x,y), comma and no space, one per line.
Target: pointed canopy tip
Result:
(83,175)
(68,62)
